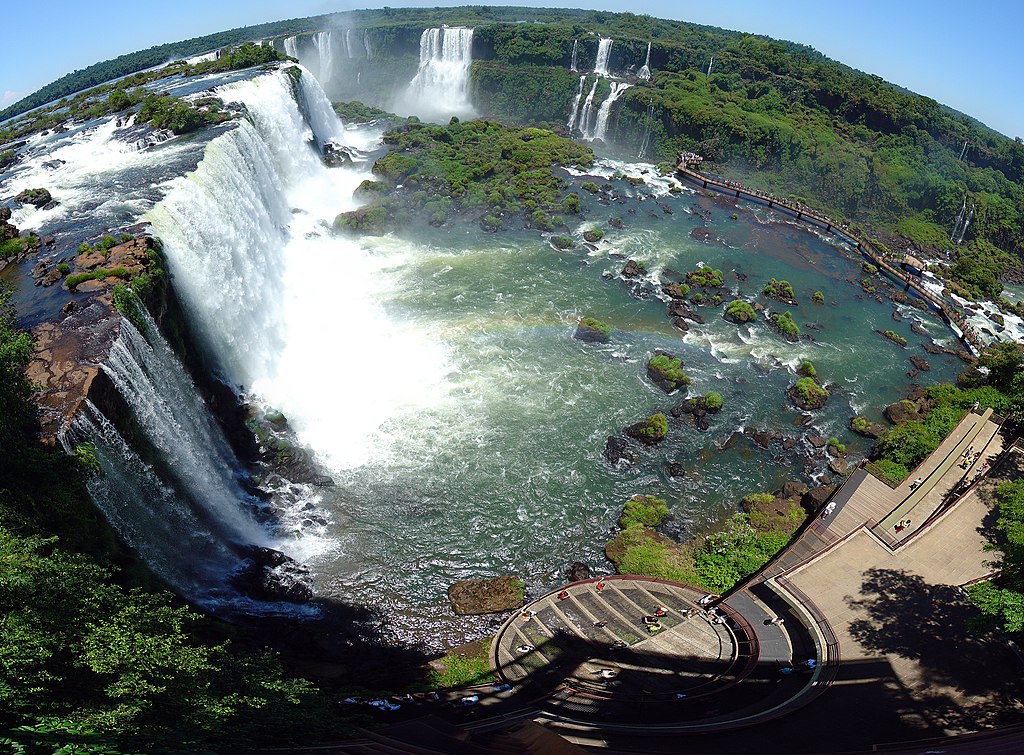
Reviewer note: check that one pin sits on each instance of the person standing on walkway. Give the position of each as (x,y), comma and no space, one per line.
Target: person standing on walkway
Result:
(600,585)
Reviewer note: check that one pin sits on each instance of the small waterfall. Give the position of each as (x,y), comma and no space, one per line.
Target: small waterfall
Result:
(645,142)
(291,47)
(349,53)
(366,43)
(604,53)
(601,122)
(644,74)
(587,110)
(574,65)
(440,87)
(325,54)
(574,111)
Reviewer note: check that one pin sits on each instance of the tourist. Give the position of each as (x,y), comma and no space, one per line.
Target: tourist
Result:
(527,615)
(563,595)
(828,510)
(600,624)
(654,628)
(916,484)
(811,663)
(649,620)
(706,599)
(659,611)
(777,621)
(600,585)
(525,649)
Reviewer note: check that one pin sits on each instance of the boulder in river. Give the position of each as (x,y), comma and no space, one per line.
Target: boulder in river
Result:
(479,596)
(578,572)
(268,574)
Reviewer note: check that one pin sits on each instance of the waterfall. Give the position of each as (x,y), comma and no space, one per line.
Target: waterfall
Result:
(645,70)
(574,111)
(440,87)
(645,142)
(291,47)
(601,122)
(348,44)
(185,513)
(583,123)
(574,65)
(325,54)
(282,305)
(604,52)
(366,42)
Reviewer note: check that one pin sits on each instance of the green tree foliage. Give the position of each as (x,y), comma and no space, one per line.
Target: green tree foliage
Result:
(643,510)
(1002,599)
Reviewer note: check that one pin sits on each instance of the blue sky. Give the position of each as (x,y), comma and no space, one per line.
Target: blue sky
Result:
(966,55)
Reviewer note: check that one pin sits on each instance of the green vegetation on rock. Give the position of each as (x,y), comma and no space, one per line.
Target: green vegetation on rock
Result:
(1001,599)
(643,510)
(355,112)
(713,401)
(478,168)
(785,324)
(818,297)
(705,277)
(601,327)
(806,369)
(781,290)
(739,311)
(668,372)
(894,337)
(72,281)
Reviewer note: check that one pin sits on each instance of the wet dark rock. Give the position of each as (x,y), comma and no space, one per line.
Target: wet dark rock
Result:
(633,269)
(664,208)
(590,334)
(920,363)
(793,488)
(673,290)
(680,324)
(803,419)
(790,443)
(916,328)
(815,498)
(471,597)
(704,234)
(679,309)
(902,412)
(732,440)
(675,469)
(618,449)
(997,318)
(896,316)
(268,574)
(578,572)
(36,197)
(839,466)
(868,429)
(69,308)
(615,222)
(650,431)
(817,441)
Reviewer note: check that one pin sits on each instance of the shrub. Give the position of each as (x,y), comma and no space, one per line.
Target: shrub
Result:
(705,277)
(895,337)
(784,322)
(571,204)
(562,242)
(740,311)
(868,268)
(807,369)
(777,289)
(63,268)
(713,401)
(593,235)
(643,510)
(591,187)
(670,368)
(653,428)
(834,443)
(809,390)
(818,297)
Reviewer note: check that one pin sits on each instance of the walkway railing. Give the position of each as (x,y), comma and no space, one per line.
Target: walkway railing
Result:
(950,314)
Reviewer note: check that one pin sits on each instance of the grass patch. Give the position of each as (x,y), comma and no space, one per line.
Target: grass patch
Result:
(73,281)
(740,311)
(713,401)
(785,324)
(643,510)
(705,277)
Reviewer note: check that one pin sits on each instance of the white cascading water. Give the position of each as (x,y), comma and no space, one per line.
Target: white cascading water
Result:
(177,424)
(604,112)
(366,42)
(574,63)
(440,88)
(644,74)
(290,310)
(574,110)
(604,53)
(325,54)
(645,142)
(291,47)
(586,111)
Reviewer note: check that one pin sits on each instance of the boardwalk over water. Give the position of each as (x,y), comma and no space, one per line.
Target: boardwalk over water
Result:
(950,314)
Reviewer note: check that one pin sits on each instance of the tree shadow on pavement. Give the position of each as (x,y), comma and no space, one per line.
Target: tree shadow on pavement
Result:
(965,677)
